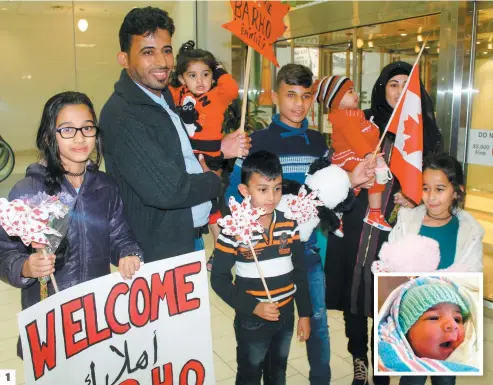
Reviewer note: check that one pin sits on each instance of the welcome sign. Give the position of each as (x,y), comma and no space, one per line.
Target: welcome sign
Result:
(154,329)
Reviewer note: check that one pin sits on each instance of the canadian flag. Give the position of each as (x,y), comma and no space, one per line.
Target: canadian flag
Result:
(407,124)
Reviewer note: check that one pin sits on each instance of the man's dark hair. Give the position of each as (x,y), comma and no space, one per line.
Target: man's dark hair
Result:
(264,163)
(143,22)
(295,75)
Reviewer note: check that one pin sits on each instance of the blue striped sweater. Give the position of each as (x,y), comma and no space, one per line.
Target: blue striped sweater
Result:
(296,150)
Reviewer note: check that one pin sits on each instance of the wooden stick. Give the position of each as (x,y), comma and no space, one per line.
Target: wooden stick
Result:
(52,276)
(260,271)
(246,82)
(398,103)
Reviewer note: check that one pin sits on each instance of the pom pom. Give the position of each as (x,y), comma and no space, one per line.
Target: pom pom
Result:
(412,253)
(332,183)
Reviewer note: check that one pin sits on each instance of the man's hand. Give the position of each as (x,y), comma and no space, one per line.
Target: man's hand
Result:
(362,173)
(128,266)
(303,329)
(236,144)
(38,265)
(267,311)
(206,168)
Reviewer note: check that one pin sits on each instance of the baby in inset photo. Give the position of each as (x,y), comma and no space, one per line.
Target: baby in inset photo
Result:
(428,324)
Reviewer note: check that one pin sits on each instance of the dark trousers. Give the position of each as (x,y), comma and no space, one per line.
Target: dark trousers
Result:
(255,338)
(357,333)
(420,380)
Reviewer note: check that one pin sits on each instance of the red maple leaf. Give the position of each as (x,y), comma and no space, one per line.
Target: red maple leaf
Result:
(414,134)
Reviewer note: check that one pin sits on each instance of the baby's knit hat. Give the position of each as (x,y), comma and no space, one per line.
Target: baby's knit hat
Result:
(331,90)
(418,299)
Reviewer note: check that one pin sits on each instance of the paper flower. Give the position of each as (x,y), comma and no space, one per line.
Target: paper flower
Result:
(304,206)
(242,222)
(31,218)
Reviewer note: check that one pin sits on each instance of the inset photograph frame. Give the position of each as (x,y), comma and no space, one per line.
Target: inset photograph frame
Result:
(428,324)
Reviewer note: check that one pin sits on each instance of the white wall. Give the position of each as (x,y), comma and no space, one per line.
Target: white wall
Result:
(43,54)
(211,36)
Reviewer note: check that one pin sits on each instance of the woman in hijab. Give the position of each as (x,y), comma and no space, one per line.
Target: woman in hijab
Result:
(349,280)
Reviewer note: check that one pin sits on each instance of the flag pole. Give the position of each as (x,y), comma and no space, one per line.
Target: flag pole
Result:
(398,102)
(246,82)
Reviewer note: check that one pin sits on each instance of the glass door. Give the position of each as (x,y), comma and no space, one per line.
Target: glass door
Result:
(479,169)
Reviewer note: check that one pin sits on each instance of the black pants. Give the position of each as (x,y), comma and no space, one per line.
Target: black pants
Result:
(357,333)
(420,380)
(257,339)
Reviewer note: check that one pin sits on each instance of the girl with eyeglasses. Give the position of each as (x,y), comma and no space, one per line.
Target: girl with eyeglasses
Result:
(98,234)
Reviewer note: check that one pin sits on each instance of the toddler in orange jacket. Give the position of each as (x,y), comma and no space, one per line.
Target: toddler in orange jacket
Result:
(202,90)
(354,138)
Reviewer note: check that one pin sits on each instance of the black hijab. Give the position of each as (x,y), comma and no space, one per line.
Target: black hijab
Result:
(381,109)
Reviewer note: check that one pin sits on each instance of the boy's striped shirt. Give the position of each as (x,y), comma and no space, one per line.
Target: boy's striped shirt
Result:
(280,255)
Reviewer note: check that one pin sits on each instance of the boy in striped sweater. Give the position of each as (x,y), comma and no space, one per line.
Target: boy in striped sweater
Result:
(264,329)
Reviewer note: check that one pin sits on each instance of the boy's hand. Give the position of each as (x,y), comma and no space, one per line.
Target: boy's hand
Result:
(267,311)
(303,329)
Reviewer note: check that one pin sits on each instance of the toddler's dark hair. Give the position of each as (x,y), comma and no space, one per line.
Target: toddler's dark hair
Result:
(189,54)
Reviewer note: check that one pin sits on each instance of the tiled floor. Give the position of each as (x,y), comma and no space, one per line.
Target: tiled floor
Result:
(224,345)
(223,336)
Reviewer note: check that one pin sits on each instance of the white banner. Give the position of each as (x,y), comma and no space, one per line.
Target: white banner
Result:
(152,330)
(480,147)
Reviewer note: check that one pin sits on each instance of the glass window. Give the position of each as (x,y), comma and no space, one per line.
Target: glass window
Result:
(479,169)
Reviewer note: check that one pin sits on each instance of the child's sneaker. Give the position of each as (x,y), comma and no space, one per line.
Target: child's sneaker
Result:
(360,371)
(375,218)
(210,262)
(339,232)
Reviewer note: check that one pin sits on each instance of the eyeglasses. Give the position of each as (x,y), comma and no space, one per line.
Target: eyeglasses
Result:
(70,132)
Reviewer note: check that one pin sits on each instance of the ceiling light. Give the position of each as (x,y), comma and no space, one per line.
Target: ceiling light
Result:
(427,47)
(403,34)
(83,25)
(416,48)
(4,9)
(490,45)
(438,50)
(360,43)
(485,53)
(420,38)
(370,44)
(478,42)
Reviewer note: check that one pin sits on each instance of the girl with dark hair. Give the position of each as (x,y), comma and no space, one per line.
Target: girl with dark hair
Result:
(98,234)
(442,217)
(202,90)
(349,280)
